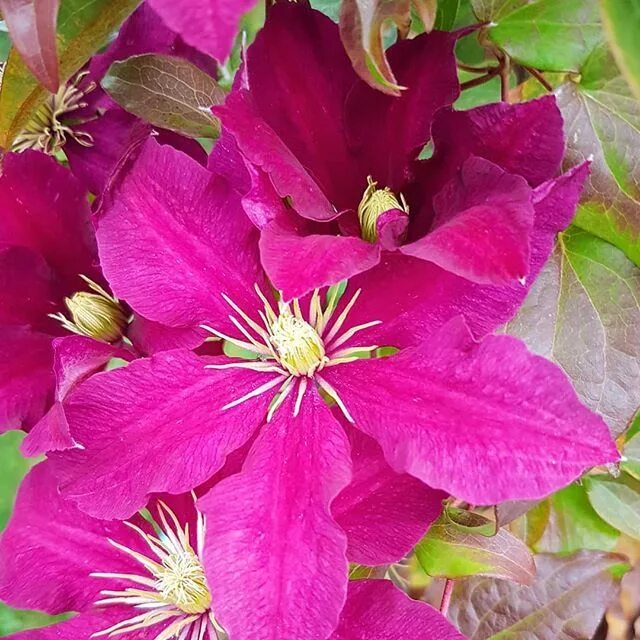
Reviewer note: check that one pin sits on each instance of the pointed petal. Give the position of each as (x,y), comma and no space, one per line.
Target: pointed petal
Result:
(486,422)
(155,425)
(209,25)
(484,219)
(50,547)
(26,377)
(383,513)
(425,296)
(377,610)
(320,260)
(188,241)
(298,73)
(388,132)
(270,536)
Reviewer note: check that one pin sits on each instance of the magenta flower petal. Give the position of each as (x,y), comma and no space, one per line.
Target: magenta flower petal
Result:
(298,262)
(209,25)
(426,296)
(272,520)
(377,610)
(298,73)
(50,547)
(388,132)
(383,513)
(28,288)
(150,337)
(49,219)
(155,425)
(486,422)
(188,241)
(75,358)
(483,223)
(26,377)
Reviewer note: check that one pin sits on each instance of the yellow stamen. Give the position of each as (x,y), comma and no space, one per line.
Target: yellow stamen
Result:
(97,315)
(299,347)
(373,204)
(47,130)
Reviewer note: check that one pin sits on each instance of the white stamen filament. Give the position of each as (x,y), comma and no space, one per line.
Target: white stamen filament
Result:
(293,347)
(175,590)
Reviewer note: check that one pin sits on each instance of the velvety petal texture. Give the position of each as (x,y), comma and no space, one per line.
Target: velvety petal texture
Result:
(273,520)
(383,513)
(155,425)
(188,241)
(377,610)
(486,422)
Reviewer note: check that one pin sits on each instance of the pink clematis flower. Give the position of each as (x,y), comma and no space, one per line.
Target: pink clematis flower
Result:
(144,579)
(344,158)
(58,324)
(82,120)
(484,421)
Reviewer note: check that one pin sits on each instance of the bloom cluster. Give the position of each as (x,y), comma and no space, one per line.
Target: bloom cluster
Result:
(250,369)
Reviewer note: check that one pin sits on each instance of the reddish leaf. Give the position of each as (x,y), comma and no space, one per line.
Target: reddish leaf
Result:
(361,25)
(32,27)
(567,600)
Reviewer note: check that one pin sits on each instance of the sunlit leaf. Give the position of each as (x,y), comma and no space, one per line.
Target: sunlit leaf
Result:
(617,501)
(566,602)
(83,27)
(32,25)
(602,120)
(448,551)
(574,524)
(168,92)
(583,313)
(546,34)
(14,468)
(531,526)
(621,19)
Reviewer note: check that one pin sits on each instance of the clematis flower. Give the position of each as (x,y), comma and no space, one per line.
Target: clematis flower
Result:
(84,122)
(145,578)
(486,422)
(343,161)
(58,323)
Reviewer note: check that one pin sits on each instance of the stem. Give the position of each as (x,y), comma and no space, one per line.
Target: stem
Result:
(466,67)
(446,597)
(505,67)
(479,80)
(540,78)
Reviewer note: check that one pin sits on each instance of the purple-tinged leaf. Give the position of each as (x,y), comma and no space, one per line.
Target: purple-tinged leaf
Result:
(567,600)
(450,551)
(168,92)
(32,26)
(584,314)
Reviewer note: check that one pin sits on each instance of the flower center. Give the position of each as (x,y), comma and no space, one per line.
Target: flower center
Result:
(181,581)
(47,131)
(96,315)
(299,347)
(374,203)
(170,589)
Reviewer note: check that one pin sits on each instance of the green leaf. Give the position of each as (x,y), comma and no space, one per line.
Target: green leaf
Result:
(330,8)
(488,10)
(567,600)
(617,501)
(168,92)
(631,456)
(574,524)
(602,120)
(447,551)
(477,96)
(621,20)
(14,620)
(14,468)
(447,14)
(583,312)
(83,27)
(548,34)
(531,526)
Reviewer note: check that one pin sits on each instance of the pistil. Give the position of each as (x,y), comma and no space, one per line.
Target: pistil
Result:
(375,202)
